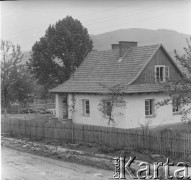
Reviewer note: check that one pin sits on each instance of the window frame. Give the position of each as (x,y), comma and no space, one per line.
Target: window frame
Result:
(86,107)
(151,108)
(165,73)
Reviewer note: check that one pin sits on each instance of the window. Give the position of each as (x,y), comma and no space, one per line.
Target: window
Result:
(149,107)
(86,107)
(161,73)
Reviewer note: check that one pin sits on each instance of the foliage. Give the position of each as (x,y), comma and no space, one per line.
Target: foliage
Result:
(23,86)
(180,90)
(16,80)
(11,55)
(114,99)
(144,124)
(40,92)
(59,52)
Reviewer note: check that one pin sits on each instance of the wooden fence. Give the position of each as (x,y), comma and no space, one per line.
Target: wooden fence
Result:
(163,142)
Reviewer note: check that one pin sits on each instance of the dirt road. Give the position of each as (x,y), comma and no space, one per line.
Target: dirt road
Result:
(18,165)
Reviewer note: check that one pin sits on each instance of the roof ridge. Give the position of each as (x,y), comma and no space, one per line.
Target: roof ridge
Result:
(147,45)
(109,50)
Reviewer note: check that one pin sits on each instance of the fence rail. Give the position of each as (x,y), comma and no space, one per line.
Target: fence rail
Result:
(172,143)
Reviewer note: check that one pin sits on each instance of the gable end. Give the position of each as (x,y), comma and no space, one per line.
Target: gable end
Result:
(161,57)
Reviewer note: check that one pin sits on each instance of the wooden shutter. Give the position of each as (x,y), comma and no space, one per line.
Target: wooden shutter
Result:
(81,107)
(166,73)
(147,109)
(153,106)
(155,73)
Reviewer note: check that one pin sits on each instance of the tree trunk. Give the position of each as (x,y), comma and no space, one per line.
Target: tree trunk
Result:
(5,101)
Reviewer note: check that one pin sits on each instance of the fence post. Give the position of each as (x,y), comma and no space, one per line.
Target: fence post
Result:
(25,127)
(43,130)
(72,133)
(9,127)
(83,132)
(18,128)
(36,128)
(30,128)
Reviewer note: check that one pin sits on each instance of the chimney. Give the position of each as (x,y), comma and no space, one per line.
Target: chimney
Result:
(124,46)
(114,46)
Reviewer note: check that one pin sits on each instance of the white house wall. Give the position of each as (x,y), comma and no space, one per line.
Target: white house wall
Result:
(59,105)
(135,112)
(96,117)
(133,115)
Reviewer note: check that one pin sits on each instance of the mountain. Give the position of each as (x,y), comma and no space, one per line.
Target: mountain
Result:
(169,38)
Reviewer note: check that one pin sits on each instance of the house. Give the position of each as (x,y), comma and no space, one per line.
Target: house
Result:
(139,68)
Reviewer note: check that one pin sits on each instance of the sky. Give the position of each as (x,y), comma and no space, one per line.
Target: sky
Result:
(24,22)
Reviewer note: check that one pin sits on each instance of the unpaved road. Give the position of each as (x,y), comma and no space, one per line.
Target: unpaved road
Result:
(18,165)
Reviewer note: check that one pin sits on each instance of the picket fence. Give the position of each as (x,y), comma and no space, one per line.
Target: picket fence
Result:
(166,142)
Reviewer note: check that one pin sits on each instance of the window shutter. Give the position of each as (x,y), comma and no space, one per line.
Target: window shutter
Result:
(155,74)
(147,107)
(82,106)
(87,105)
(153,106)
(166,72)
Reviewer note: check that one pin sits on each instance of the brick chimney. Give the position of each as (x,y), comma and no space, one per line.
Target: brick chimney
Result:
(124,46)
(114,46)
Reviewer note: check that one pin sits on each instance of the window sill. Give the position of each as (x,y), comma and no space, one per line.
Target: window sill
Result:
(176,113)
(160,82)
(86,115)
(150,116)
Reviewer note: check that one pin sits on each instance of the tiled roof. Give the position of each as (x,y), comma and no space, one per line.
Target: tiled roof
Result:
(104,69)
(143,88)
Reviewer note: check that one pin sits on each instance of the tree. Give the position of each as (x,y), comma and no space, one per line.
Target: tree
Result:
(59,52)
(179,90)
(16,82)
(114,99)
(11,55)
(23,86)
